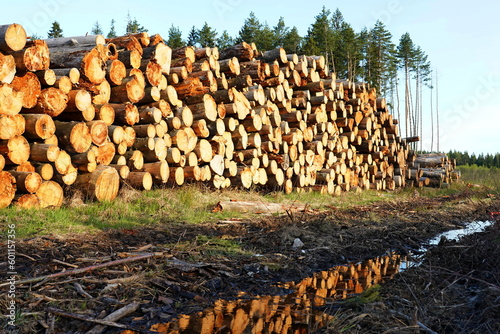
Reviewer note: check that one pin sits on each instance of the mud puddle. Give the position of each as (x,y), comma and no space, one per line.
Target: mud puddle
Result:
(303,309)
(300,311)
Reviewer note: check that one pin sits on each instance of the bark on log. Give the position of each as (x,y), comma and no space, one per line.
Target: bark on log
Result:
(39,126)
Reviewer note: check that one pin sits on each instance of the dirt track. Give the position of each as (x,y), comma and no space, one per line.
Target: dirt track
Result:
(189,274)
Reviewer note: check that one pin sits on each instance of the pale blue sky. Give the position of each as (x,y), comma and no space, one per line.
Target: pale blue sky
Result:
(461,38)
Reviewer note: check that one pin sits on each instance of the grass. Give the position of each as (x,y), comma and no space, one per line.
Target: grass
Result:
(487,177)
(192,204)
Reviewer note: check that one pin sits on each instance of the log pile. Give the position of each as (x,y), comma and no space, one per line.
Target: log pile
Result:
(432,170)
(92,114)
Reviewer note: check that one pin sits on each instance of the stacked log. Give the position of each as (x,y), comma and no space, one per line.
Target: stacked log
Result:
(433,170)
(95,114)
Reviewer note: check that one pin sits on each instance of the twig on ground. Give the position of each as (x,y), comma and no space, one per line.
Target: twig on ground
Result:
(80,290)
(105,323)
(81,270)
(115,316)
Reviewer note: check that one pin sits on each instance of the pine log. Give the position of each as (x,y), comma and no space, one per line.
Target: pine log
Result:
(73,73)
(52,101)
(140,180)
(15,150)
(50,194)
(7,189)
(105,153)
(11,126)
(105,113)
(39,126)
(161,54)
(159,170)
(73,136)
(33,57)
(125,114)
(98,131)
(242,51)
(7,68)
(91,61)
(12,37)
(130,90)
(26,201)
(11,101)
(27,182)
(102,184)
(75,41)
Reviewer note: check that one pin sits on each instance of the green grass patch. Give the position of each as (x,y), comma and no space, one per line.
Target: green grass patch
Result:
(484,176)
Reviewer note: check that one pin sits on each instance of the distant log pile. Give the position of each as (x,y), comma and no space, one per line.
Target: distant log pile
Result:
(432,170)
(94,114)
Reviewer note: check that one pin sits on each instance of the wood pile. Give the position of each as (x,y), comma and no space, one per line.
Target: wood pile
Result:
(91,114)
(432,170)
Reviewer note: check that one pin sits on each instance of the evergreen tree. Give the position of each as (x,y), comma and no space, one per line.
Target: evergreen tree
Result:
(96,29)
(225,41)
(265,38)
(280,33)
(112,31)
(251,29)
(207,37)
(320,38)
(55,31)
(133,26)
(292,41)
(192,38)
(175,38)
(406,54)
(379,64)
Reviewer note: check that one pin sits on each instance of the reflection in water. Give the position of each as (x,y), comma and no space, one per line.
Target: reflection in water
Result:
(295,313)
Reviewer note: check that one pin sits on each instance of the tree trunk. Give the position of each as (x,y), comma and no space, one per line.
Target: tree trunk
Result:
(34,57)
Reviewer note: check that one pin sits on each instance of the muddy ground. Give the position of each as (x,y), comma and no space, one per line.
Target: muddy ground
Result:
(455,290)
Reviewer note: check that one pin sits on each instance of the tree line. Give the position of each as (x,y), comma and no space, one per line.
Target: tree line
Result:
(485,160)
(369,55)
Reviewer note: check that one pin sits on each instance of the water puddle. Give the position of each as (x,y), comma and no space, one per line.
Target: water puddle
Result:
(297,312)
(469,229)
(302,311)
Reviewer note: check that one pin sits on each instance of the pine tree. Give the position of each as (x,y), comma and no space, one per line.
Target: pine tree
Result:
(55,31)
(250,31)
(192,39)
(266,39)
(292,41)
(406,55)
(112,31)
(207,36)
(133,26)
(280,31)
(225,41)
(175,38)
(320,38)
(379,64)
(96,29)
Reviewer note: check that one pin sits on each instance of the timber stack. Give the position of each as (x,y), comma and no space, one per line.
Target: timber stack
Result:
(92,114)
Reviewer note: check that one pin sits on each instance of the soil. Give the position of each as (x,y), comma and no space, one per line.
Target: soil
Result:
(455,290)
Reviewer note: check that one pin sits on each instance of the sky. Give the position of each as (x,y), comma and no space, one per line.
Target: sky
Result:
(461,39)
